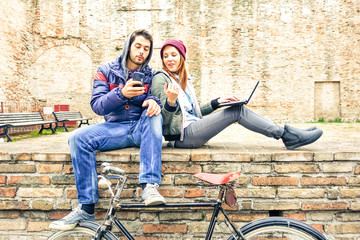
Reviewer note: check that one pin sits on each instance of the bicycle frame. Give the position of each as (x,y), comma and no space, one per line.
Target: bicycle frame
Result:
(215,205)
(226,183)
(115,205)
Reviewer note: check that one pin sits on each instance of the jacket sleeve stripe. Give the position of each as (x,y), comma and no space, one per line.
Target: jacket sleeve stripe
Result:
(146,86)
(112,86)
(100,76)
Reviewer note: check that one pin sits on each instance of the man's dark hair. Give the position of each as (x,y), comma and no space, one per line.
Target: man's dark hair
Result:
(144,33)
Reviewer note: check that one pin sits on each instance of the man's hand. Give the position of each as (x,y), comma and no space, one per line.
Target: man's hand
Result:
(130,91)
(153,107)
(172,93)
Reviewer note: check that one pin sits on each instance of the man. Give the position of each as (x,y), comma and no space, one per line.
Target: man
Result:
(132,120)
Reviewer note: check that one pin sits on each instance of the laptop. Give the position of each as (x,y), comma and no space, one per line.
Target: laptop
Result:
(241,102)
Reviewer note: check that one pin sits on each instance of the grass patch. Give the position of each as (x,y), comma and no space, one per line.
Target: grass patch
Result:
(322,120)
(36,134)
(336,120)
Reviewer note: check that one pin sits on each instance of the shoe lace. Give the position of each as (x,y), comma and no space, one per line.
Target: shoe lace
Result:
(152,190)
(72,214)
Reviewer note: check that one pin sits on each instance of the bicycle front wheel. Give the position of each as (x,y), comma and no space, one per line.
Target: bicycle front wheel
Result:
(84,231)
(279,228)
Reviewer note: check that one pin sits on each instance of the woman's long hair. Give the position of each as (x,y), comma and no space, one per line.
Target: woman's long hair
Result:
(181,72)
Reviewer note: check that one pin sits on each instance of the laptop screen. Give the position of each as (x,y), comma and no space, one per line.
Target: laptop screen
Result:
(253,90)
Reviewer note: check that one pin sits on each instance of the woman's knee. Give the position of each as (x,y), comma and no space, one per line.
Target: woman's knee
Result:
(236,113)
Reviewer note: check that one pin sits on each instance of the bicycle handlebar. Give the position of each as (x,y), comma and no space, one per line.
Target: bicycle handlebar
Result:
(106,168)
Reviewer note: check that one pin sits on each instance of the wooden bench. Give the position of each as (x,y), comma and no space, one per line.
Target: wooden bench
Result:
(63,117)
(9,120)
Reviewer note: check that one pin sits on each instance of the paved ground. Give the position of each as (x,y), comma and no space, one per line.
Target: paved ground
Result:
(337,137)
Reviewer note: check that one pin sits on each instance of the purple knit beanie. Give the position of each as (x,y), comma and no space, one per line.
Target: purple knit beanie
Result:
(178,44)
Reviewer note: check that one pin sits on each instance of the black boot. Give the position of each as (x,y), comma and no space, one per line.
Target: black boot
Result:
(294,137)
(299,129)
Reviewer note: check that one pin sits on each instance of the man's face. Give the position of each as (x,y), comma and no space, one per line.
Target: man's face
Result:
(139,50)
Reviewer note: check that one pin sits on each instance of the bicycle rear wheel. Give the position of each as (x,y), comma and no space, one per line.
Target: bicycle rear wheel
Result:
(279,228)
(84,231)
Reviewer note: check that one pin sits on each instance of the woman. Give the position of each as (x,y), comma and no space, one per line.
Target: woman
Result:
(183,122)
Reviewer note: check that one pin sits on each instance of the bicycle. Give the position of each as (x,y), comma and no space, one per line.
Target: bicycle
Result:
(266,228)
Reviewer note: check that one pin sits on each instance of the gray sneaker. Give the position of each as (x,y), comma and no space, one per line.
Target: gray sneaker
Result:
(151,196)
(72,219)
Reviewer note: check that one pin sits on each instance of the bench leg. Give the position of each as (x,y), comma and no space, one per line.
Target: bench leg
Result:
(61,126)
(6,133)
(41,129)
(9,139)
(52,129)
(83,122)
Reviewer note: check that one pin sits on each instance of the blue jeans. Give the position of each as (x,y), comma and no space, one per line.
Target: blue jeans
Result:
(145,133)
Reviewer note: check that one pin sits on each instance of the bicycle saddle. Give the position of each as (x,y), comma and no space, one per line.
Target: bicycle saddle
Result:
(218,179)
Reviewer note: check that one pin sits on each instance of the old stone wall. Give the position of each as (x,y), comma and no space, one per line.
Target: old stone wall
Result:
(303,52)
(321,189)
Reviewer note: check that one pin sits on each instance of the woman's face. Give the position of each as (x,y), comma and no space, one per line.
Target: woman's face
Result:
(171,58)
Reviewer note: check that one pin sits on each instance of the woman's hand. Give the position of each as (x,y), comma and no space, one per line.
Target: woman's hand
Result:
(228,99)
(172,92)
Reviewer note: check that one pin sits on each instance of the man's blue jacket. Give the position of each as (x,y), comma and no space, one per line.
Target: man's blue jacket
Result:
(107,99)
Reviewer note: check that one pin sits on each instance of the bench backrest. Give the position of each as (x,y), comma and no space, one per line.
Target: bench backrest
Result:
(8,118)
(61,116)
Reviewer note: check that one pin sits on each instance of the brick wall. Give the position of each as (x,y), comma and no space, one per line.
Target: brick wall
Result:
(304,52)
(322,189)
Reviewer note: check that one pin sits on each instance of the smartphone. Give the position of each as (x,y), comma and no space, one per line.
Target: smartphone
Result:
(138,76)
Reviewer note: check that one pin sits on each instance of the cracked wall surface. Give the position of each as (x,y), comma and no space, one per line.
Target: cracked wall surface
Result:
(299,50)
